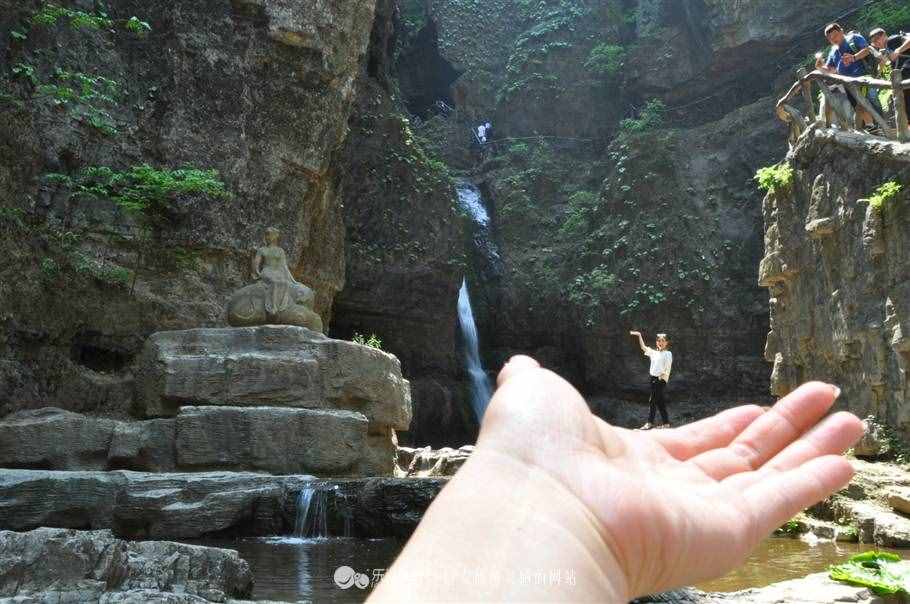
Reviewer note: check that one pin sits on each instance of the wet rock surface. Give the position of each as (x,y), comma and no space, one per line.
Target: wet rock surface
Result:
(58,565)
(428,462)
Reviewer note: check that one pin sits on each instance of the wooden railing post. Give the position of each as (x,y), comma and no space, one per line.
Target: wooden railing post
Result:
(807,94)
(900,106)
(863,101)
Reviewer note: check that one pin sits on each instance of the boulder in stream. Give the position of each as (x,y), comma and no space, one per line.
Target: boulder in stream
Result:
(51,565)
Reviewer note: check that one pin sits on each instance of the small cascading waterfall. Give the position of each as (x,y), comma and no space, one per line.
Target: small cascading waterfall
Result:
(314,505)
(469,197)
(312,519)
(481,386)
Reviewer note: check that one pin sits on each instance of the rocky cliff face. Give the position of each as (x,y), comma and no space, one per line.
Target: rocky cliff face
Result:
(836,266)
(659,229)
(259,90)
(404,247)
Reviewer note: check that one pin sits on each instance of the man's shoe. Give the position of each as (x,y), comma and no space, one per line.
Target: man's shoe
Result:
(663,427)
(647,426)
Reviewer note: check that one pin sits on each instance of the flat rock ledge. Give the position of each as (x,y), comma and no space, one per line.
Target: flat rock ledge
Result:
(813,589)
(59,565)
(138,505)
(276,440)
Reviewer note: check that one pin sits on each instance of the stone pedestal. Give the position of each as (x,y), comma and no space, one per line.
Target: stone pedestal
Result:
(279,399)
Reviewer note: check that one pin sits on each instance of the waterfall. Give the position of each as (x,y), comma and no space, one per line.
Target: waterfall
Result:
(315,505)
(481,387)
(312,520)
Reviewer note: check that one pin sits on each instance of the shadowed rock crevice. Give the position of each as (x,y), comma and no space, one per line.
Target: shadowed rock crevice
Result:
(424,75)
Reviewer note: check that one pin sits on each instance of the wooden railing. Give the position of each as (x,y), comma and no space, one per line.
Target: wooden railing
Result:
(835,109)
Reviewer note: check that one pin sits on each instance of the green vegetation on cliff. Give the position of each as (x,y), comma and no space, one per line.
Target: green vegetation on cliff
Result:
(884,194)
(142,189)
(778,177)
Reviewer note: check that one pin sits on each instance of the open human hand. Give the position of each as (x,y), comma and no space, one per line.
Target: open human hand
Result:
(552,486)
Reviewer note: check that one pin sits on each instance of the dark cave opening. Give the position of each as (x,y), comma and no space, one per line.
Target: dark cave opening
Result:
(94,351)
(424,75)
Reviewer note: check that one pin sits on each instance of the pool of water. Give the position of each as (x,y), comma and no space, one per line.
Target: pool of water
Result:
(289,569)
(779,559)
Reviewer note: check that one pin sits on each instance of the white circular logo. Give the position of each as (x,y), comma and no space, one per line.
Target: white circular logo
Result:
(345,577)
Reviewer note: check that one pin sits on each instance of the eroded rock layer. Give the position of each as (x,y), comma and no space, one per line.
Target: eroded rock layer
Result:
(137,505)
(838,270)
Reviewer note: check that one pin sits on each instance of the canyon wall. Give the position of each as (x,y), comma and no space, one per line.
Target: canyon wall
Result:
(837,266)
(605,225)
(259,90)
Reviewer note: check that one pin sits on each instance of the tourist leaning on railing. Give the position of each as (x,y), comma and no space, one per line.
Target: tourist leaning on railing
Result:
(851,56)
(897,47)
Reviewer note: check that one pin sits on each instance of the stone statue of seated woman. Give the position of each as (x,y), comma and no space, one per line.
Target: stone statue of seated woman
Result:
(276,298)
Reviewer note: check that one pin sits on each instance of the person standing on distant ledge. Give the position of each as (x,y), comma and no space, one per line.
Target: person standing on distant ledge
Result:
(661,365)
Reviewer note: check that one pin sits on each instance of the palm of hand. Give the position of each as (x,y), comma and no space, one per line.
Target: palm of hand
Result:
(678,506)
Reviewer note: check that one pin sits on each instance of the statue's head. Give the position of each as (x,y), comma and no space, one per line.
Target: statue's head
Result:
(271,235)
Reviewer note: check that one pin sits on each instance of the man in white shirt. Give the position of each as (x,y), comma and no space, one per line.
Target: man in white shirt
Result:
(661,365)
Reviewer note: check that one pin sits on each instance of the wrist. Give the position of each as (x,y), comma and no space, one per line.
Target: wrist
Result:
(530,539)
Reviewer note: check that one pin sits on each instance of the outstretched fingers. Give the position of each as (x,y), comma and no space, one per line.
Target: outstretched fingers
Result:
(832,436)
(770,433)
(779,496)
(708,434)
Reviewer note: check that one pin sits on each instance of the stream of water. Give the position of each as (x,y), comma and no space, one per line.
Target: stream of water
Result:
(291,569)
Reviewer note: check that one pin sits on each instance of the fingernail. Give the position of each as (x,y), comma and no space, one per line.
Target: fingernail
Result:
(837,391)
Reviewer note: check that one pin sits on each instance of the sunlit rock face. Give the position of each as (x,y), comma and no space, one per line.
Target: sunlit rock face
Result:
(837,269)
(259,90)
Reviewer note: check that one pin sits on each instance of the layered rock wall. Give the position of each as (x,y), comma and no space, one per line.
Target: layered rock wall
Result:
(836,265)
(259,90)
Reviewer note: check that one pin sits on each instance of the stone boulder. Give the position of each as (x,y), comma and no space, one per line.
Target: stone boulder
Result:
(56,439)
(80,566)
(273,366)
(276,440)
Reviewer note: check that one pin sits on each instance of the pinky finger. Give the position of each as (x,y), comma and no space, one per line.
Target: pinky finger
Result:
(779,496)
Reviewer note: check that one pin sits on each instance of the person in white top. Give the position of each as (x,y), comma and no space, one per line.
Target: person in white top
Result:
(661,365)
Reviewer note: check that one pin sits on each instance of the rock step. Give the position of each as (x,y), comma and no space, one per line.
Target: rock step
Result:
(274,366)
(50,565)
(875,523)
(259,439)
(139,505)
